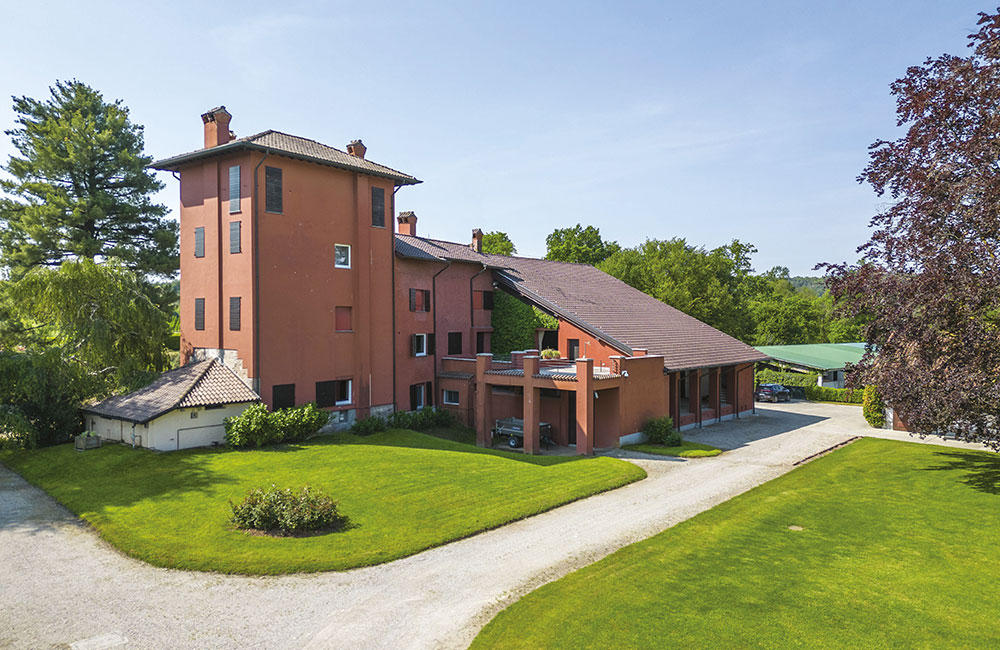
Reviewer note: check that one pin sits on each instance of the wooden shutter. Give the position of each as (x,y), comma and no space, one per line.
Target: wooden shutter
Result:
(282,396)
(272,189)
(235,235)
(488,300)
(234,189)
(413,345)
(378,207)
(234,314)
(199,242)
(430,344)
(325,393)
(199,313)
(454,343)
(413,397)
(413,300)
(477,299)
(427,300)
(428,394)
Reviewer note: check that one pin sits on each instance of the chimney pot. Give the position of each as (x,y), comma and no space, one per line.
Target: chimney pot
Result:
(407,223)
(477,240)
(216,123)
(357,148)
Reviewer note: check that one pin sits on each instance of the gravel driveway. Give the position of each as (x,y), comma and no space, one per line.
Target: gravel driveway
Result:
(62,587)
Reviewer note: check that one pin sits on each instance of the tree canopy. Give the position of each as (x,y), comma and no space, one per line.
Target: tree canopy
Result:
(579,244)
(79,188)
(498,243)
(929,281)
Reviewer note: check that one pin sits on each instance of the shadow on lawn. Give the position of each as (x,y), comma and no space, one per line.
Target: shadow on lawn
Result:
(983,468)
(431,442)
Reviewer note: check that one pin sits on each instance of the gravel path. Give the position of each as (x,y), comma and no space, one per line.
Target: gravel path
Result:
(61,586)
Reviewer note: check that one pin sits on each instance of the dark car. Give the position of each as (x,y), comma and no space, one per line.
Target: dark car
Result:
(772,393)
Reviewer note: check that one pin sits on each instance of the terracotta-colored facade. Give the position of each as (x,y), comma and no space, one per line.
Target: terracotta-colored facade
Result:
(266,286)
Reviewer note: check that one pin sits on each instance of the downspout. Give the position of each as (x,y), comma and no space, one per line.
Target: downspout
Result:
(434,312)
(472,312)
(392,225)
(256,274)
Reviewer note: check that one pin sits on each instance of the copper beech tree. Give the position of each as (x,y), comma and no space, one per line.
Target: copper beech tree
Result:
(929,280)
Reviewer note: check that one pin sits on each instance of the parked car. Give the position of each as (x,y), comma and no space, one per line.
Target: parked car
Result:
(772,393)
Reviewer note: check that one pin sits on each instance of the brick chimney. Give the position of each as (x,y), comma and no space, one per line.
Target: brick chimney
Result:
(407,223)
(357,148)
(217,127)
(477,240)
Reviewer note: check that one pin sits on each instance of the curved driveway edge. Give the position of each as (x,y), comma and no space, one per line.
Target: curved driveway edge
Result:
(61,586)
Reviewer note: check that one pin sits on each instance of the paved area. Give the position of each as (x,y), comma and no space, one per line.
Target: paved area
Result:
(62,587)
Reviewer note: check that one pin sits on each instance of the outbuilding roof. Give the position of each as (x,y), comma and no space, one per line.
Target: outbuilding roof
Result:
(292,146)
(818,356)
(624,317)
(203,383)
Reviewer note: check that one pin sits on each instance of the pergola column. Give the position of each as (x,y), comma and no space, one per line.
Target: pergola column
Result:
(531,405)
(484,425)
(585,406)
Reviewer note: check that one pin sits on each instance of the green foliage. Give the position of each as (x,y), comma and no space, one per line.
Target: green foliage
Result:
(98,317)
(514,324)
(827,394)
(498,243)
(16,431)
(256,427)
(549,353)
(686,449)
(661,431)
(274,510)
(39,387)
(80,187)
(420,420)
(786,378)
(873,406)
(297,424)
(579,244)
(368,426)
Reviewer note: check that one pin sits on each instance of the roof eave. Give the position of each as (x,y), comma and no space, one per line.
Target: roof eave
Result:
(175,163)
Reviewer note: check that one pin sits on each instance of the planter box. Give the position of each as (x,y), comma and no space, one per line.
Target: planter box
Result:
(82,443)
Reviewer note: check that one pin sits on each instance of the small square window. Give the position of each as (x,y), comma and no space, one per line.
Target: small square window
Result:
(282,396)
(342,256)
(450,397)
(333,393)
(342,319)
(454,343)
(419,345)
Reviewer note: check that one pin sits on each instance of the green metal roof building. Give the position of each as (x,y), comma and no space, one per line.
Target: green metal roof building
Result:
(826,358)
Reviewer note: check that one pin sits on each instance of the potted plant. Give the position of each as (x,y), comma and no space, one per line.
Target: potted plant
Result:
(87,440)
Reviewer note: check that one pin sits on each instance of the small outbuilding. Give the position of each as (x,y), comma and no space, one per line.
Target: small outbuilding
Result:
(184,408)
(826,359)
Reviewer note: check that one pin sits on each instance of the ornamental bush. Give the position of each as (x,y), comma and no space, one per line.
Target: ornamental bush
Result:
(786,378)
(420,420)
(16,431)
(256,427)
(549,353)
(873,407)
(299,423)
(368,426)
(286,512)
(661,431)
(827,394)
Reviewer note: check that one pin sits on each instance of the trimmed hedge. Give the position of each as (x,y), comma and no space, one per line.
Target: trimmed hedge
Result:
(873,407)
(786,378)
(420,420)
(826,394)
(256,427)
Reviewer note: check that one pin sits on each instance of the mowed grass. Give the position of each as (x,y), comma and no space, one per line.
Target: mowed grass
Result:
(402,491)
(898,549)
(686,449)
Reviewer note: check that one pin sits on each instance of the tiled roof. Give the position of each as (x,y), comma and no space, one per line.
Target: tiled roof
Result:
(204,383)
(624,317)
(294,147)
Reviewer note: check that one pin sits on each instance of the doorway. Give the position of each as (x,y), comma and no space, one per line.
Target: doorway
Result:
(571,423)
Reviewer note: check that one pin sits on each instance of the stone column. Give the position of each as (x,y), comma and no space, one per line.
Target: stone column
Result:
(484,424)
(531,405)
(585,406)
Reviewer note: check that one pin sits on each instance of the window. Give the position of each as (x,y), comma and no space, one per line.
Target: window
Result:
(234,314)
(454,343)
(419,394)
(420,300)
(342,256)
(333,393)
(573,346)
(481,341)
(422,344)
(235,235)
(450,397)
(199,242)
(234,189)
(282,396)
(342,319)
(199,313)
(378,207)
(482,300)
(272,189)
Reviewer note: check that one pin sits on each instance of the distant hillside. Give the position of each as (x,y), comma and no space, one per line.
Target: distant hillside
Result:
(807,282)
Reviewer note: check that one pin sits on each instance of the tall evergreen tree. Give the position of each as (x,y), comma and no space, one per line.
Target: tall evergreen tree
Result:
(80,187)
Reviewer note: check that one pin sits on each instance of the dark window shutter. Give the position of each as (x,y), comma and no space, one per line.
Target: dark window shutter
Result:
(235,234)
(454,343)
(429,394)
(413,397)
(199,313)
(234,314)
(427,300)
(234,189)
(272,189)
(430,344)
(413,300)
(282,396)
(413,345)
(480,342)
(378,207)
(199,242)
(325,393)
(488,300)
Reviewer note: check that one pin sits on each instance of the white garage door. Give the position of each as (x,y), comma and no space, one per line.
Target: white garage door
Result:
(201,436)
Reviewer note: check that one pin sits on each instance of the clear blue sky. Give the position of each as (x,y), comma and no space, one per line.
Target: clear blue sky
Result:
(708,121)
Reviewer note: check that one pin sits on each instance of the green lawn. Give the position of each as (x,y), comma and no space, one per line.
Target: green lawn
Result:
(402,491)
(898,549)
(686,449)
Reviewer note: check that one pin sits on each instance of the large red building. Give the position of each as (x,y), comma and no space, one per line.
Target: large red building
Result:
(291,274)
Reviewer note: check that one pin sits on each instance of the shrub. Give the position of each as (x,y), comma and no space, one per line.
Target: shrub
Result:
(873,407)
(549,353)
(299,423)
(826,394)
(251,428)
(786,378)
(368,426)
(286,512)
(661,431)
(421,420)
(16,431)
